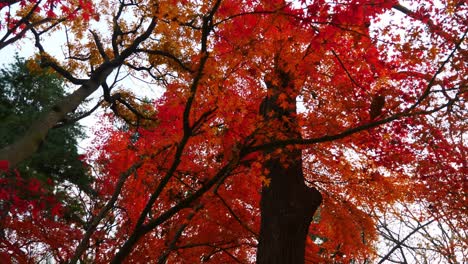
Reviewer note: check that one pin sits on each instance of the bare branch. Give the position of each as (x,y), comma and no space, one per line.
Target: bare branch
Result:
(99,46)
(95,220)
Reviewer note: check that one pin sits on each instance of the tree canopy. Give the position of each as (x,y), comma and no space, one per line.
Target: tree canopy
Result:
(287,131)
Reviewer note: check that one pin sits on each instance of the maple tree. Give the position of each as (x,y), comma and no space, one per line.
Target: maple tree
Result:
(285,130)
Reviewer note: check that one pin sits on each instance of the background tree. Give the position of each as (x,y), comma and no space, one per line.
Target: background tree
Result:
(38,192)
(24,94)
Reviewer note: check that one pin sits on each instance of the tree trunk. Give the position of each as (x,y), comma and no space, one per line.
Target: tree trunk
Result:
(26,145)
(287,207)
(287,204)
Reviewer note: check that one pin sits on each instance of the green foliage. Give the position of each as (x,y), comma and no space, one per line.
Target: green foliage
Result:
(24,94)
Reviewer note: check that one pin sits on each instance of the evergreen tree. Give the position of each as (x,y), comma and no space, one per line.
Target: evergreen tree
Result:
(24,94)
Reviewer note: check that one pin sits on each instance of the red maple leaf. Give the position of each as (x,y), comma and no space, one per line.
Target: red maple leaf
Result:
(4,165)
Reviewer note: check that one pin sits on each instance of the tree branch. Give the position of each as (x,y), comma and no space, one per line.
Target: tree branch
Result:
(95,220)
(30,141)
(399,243)
(353,130)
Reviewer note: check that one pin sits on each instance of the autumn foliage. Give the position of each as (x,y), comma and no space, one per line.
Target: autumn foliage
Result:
(370,95)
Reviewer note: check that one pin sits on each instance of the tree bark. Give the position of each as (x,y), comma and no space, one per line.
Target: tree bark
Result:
(26,145)
(287,204)
(32,139)
(287,207)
